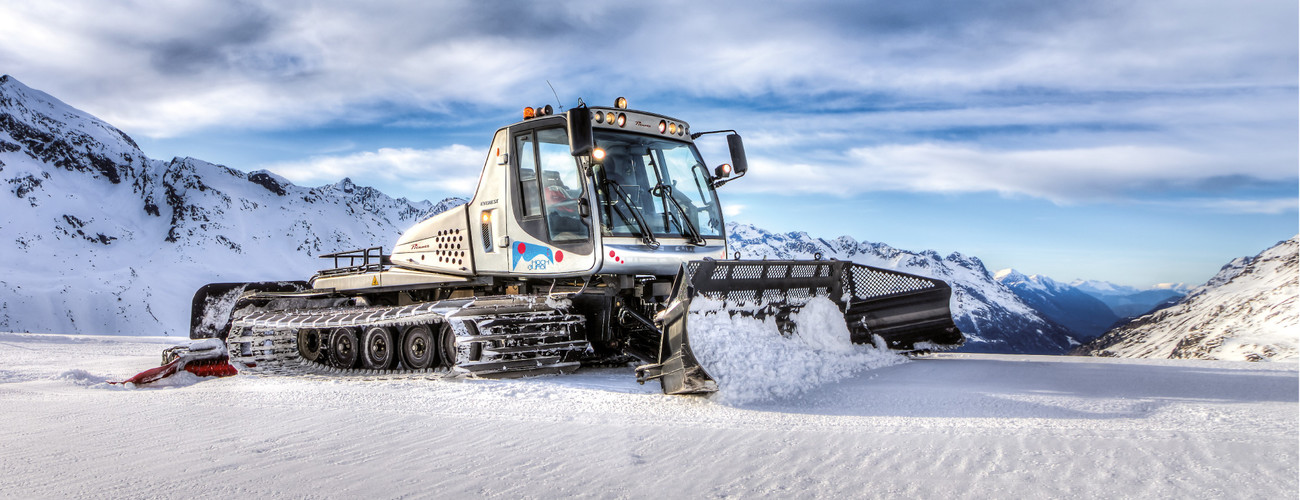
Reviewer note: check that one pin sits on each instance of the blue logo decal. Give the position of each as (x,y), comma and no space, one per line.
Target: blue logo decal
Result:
(530,253)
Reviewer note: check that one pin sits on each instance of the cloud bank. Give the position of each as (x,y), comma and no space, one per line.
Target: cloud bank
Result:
(453,169)
(1069,101)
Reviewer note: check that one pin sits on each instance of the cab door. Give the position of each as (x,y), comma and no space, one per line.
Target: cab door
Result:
(553,233)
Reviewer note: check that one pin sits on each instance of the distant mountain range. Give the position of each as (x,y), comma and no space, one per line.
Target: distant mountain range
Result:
(102,239)
(1127,301)
(1249,311)
(1083,313)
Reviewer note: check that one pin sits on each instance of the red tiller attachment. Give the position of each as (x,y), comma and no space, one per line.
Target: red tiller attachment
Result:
(205,358)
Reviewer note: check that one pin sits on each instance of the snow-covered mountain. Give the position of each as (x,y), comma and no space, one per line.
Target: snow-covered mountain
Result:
(993,318)
(99,238)
(1129,302)
(1085,315)
(1248,311)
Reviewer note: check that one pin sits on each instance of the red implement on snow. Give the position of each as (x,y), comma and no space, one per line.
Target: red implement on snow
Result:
(205,358)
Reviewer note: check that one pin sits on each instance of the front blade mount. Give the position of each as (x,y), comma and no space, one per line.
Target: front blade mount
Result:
(899,309)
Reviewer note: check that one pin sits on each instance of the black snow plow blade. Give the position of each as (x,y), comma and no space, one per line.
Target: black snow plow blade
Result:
(882,307)
(210,312)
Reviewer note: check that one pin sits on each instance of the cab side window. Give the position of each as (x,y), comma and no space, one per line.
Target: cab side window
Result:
(562,187)
(550,187)
(528,175)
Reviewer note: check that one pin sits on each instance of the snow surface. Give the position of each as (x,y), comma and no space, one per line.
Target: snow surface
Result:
(950,426)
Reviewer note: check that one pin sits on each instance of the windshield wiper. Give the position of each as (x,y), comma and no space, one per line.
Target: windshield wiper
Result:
(647,235)
(666,192)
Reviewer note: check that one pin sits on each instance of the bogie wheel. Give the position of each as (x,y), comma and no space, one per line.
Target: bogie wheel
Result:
(309,344)
(418,347)
(447,341)
(379,351)
(344,347)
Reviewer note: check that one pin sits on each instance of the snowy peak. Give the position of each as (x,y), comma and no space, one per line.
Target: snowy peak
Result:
(1037,282)
(1249,311)
(45,129)
(128,239)
(1085,315)
(42,111)
(1011,275)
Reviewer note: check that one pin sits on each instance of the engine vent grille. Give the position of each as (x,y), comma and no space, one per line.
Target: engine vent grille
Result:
(450,247)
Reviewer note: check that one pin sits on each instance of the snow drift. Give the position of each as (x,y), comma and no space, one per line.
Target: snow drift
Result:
(752,361)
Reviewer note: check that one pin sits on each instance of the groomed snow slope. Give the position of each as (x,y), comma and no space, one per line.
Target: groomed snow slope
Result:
(951,426)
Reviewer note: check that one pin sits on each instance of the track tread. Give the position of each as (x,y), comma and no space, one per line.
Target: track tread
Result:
(265,341)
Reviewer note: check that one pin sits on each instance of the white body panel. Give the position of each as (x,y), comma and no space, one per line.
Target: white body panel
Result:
(391,277)
(630,256)
(439,244)
(532,257)
(489,208)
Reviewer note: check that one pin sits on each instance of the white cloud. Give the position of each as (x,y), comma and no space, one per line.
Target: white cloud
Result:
(1267,206)
(1069,101)
(453,169)
(1062,175)
(168,69)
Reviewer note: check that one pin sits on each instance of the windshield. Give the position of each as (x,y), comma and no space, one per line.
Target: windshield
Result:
(636,165)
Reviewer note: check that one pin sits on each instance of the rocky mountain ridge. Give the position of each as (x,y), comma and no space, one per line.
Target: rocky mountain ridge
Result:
(102,239)
(1249,311)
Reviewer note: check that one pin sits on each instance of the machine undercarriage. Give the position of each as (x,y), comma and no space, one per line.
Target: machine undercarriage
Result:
(553,327)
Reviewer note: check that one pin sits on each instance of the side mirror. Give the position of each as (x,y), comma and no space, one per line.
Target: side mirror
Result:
(738,163)
(581,139)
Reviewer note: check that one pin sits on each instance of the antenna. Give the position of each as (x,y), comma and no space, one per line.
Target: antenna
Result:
(557,96)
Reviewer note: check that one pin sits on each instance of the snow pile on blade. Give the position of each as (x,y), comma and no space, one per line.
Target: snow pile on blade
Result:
(751,361)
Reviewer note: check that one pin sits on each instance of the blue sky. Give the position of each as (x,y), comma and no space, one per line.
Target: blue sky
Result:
(1134,142)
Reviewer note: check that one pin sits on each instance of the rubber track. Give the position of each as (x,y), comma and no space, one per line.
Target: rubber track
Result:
(265,342)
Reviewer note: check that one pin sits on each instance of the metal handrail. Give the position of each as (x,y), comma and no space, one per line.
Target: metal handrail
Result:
(372,260)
